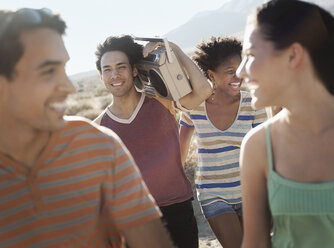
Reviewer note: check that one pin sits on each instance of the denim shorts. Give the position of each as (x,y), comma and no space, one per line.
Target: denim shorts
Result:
(221,207)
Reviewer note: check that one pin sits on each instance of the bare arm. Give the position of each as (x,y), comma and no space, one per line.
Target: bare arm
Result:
(201,88)
(254,170)
(185,138)
(151,234)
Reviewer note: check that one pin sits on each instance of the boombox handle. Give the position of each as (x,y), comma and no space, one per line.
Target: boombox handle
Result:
(156,39)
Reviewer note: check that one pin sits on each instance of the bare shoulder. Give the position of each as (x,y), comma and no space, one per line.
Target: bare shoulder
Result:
(253,153)
(253,147)
(254,139)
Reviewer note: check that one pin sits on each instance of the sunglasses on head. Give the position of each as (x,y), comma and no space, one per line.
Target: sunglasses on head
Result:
(25,15)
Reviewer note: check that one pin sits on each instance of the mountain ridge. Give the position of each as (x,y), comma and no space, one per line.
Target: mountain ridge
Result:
(218,22)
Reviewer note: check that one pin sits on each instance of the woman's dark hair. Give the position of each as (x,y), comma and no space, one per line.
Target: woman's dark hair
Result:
(284,22)
(211,54)
(13,24)
(125,44)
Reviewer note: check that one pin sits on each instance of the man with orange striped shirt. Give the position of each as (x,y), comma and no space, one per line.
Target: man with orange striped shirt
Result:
(63,182)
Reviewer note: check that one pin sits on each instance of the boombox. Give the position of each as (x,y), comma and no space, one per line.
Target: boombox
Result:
(160,73)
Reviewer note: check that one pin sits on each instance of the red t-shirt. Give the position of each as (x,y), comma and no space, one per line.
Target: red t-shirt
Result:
(151,135)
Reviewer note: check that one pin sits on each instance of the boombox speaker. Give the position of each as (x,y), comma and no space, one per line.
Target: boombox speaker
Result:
(160,73)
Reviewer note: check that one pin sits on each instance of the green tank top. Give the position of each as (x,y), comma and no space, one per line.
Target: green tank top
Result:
(303,213)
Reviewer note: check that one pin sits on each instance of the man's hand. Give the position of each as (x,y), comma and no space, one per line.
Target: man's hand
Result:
(150,47)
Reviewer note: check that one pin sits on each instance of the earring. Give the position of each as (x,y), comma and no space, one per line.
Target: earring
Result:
(213,90)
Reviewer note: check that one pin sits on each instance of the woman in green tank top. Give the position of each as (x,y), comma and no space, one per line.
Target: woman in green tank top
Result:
(287,173)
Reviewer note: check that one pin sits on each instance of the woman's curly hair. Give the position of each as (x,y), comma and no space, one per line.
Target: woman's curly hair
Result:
(209,55)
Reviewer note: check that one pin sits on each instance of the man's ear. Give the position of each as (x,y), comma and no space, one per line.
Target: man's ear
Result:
(211,75)
(100,73)
(296,55)
(134,71)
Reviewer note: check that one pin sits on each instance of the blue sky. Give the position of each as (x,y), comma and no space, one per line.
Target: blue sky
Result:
(91,21)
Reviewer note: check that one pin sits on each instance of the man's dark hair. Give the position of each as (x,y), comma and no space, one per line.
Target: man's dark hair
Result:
(209,55)
(284,22)
(125,44)
(13,24)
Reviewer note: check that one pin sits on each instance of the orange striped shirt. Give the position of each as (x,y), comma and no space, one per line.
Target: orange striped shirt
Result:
(83,190)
